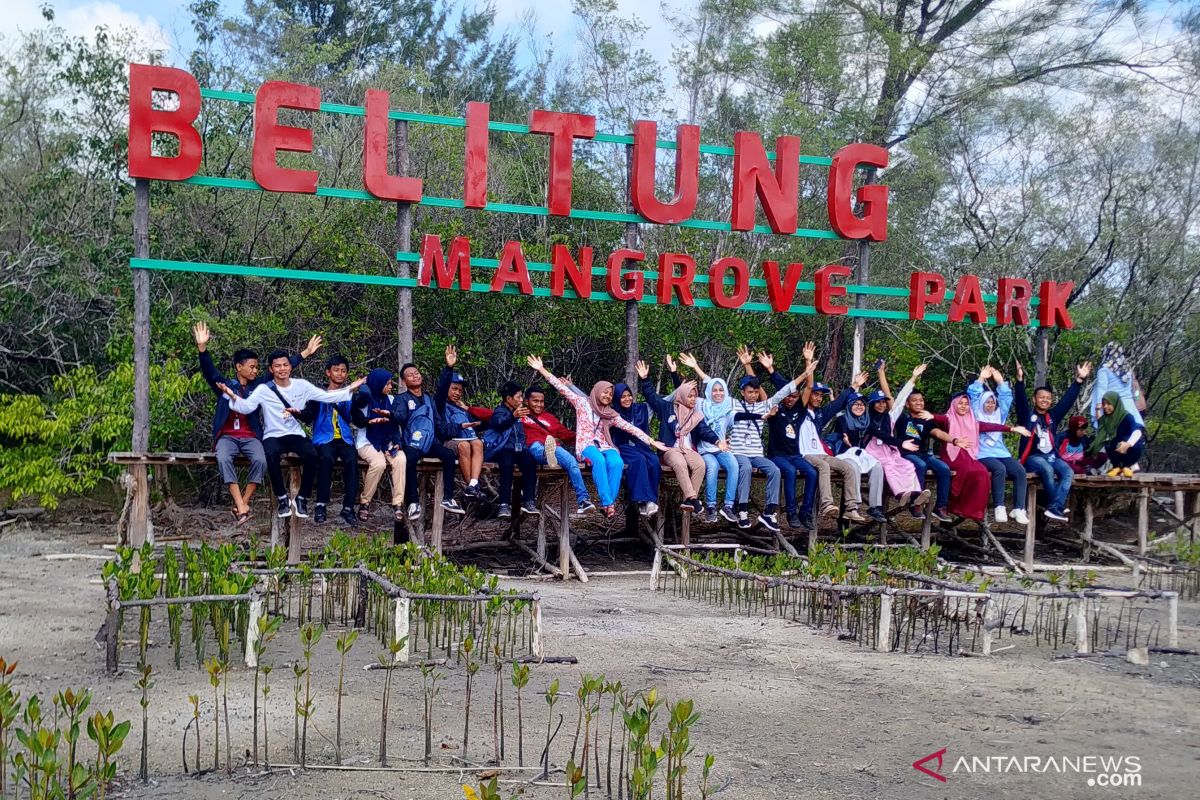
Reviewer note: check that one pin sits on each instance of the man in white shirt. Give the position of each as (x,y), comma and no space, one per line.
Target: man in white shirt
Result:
(282,400)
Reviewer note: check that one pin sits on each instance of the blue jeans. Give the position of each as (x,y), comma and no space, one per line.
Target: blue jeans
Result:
(566,460)
(746,467)
(941,474)
(1000,468)
(711,462)
(1056,477)
(606,472)
(790,467)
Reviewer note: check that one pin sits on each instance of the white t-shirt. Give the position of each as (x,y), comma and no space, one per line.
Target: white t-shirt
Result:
(275,421)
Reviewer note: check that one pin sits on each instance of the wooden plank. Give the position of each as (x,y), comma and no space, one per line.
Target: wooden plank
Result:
(1031,528)
(139,512)
(1089,515)
(293,521)
(564,532)
(1143,519)
(439,515)
(139,517)
(927,527)
(404,215)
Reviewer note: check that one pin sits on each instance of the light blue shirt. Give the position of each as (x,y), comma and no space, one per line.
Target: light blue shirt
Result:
(991,445)
(1108,381)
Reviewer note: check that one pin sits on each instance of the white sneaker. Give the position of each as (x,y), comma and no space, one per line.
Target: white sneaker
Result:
(1055,515)
(1019,517)
(551,452)
(1000,514)
(414,511)
(651,509)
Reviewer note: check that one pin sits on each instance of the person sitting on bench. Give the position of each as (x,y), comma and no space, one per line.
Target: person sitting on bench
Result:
(237,434)
(380,442)
(1120,435)
(1039,452)
(281,400)
(461,424)
(423,427)
(504,444)
(333,437)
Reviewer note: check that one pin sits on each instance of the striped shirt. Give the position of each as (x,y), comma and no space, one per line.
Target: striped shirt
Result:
(745,436)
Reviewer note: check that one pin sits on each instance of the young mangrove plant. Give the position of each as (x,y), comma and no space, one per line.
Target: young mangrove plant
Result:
(225,714)
(520,677)
(144,684)
(194,700)
(498,707)
(268,628)
(429,680)
(551,696)
(387,660)
(310,634)
(471,666)
(266,693)
(213,667)
(345,641)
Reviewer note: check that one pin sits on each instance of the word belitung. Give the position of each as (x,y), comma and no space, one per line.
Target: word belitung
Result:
(760,179)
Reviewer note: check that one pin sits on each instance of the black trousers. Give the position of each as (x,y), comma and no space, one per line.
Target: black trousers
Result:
(449,461)
(302,446)
(505,460)
(337,450)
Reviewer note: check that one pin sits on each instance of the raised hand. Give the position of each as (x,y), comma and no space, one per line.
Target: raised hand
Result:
(451,355)
(201,335)
(1020,372)
(985,372)
(918,371)
(535,363)
(1083,370)
(810,350)
(744,355)
(997,376)
(314,344)
(671,365)
(643,370)
(767,360)
(688,360)
(859,380)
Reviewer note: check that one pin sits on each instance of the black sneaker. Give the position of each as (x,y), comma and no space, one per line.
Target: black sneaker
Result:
(531,509)
(302,507)
(743,520)
(794,520)
(916,512)
(453,507)
(728,513)
(769,522)
(942,515)
(285,508)
(585,507)
(710,514)
(692,505)
(319,513)
(349,517)
(504,511)
(876,513)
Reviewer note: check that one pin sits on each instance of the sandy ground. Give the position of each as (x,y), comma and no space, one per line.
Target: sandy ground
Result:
(788,712)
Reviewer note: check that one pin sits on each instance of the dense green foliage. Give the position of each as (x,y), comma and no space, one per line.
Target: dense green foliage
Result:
(1021,145)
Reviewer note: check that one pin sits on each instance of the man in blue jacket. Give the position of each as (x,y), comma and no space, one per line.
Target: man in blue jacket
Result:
(237,434)
(1039,453)
(504,444)
(424,429)
(333,437)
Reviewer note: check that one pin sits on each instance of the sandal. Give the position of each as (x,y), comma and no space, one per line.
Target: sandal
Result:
(363,515)
(242,518)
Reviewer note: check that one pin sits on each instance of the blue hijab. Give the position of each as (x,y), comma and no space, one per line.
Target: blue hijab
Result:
(717,415)
(381,434)
(637,414)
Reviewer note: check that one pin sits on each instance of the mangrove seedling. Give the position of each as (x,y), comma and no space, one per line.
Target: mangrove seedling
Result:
(709,760)
(551,696)
(498,707)
(213,667)
(310,634)
(266,692)
(429,680)
(268,627)
(345,641)
(225,713)
(472,666)
(297,687)
(144,684)
(387,660)
(109,737)
(194,699)
(520,677)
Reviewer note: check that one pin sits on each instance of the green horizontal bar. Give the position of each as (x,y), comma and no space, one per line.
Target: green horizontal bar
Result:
(502,127)
(213,181)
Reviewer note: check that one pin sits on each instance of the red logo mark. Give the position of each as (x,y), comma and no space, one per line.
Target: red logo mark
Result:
(919,764)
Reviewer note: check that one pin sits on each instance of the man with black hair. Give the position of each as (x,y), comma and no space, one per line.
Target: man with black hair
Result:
(504,444)
(333,438)
(281,400)
(910,427)
(236,434)
(1039,452)
(423,427)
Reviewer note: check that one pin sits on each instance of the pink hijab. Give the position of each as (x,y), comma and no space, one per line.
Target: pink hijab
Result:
(606,413)
(962,426)
(686,418)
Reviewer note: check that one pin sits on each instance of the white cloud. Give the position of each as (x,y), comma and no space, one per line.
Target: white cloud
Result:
(83,19)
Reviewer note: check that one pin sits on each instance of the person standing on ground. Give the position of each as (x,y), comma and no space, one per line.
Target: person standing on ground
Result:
(333,436)
(237,434)
(1039,451)
(992,406)
(281,400)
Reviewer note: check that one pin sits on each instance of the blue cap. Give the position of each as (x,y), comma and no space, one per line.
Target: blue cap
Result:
(456,378)
(820,388)
(749,380)
(876,396)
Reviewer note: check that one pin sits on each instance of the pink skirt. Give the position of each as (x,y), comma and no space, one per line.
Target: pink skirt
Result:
(900,474)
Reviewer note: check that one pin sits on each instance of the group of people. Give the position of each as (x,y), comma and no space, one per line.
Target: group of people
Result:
(791,430)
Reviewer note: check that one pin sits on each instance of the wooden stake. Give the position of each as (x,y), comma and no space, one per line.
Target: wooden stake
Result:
(883,640)
(1082,644)
(537,630)
(1143,519)
(439,515)
(293,521)
(564,533)
(139,517)
(256,608)
(404,322)
(401,609)
(1173,620)
(990,623)
(1089,515)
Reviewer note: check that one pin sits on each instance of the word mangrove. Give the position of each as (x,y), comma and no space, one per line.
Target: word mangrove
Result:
(729,283)
(776,187)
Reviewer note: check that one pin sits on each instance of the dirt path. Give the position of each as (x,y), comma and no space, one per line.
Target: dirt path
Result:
(788,713)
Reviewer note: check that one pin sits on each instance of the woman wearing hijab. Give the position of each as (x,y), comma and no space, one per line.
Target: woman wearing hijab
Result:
(960,431)
(1119,435)
(1116,375)
(1072,445)
(886,446)
(992,406)
(717,408)
(854,432)
(642,468)
(594,418)
(681,428)
(378,440)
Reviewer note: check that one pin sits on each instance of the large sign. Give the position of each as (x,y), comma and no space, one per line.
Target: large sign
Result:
(760,179)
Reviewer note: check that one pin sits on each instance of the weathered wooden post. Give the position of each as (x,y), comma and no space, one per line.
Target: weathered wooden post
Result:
(139,513)
(401,607)
(256,610)
(404,323)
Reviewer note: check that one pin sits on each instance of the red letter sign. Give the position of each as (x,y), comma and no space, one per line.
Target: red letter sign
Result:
(1052,305)
(434,262)
(565,267)
(968,301)
(781,292)
(624,286)
(779,192)
(1012,303)
(376,179)
(512,269)
(669,283)
(145,121)
(687,173)
(874,198)
(563,130)
(475,161)
(924,288)
(741,282)
(270,136)
(827,291)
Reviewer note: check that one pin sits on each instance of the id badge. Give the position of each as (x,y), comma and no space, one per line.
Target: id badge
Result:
(237,423)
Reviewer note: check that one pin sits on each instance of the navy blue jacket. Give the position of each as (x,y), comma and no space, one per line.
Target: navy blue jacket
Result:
(421,421)
(666,418)
(212,377)
(1047,422)
(361,414)
(505,431)
(637,415)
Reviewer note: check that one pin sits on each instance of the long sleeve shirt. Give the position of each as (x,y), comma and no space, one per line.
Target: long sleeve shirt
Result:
(991,445)
(1044,427)
(276,421)
(745,435)
(587,421)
